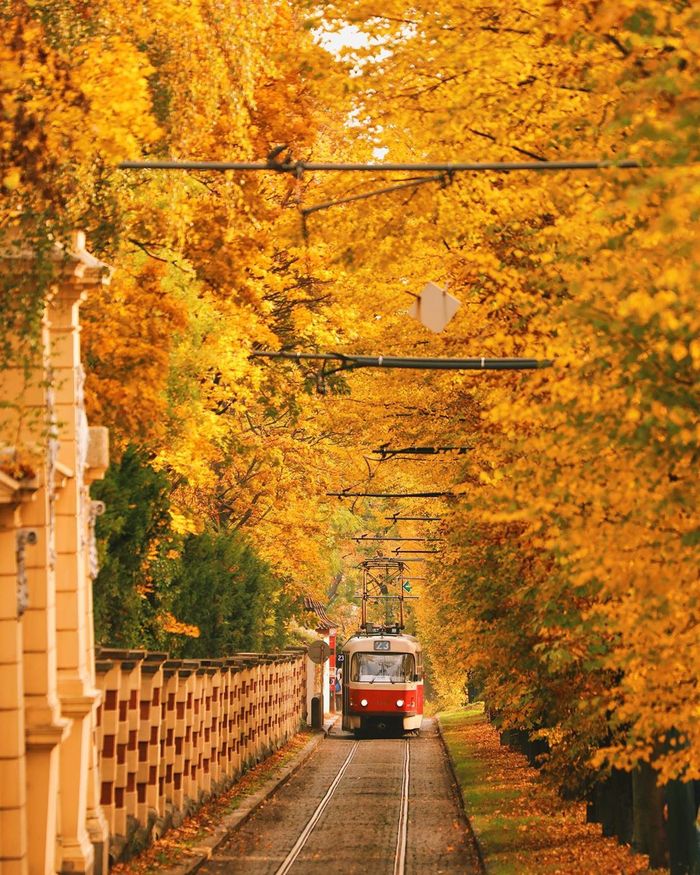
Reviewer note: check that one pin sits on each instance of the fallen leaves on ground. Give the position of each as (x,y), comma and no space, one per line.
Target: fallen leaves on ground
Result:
(521,824)
(178,843)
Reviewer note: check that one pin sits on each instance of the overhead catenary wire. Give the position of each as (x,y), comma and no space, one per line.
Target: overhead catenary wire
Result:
(444,172)
(297,168)
(380,538)
(408,183)
(421,519)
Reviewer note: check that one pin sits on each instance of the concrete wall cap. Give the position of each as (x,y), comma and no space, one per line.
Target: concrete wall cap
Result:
(119,653)
(173,663)
(156,656)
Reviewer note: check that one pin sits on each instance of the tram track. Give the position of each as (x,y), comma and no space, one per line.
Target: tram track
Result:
(399,864)
(347,809)
(402,836)
(291,857)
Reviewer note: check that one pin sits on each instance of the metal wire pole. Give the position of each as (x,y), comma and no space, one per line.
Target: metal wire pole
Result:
(351,362)
(420,451)
(390,494)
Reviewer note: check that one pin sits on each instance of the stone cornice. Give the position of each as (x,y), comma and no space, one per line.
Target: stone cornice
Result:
(14,491)
(48,735)
(76,266)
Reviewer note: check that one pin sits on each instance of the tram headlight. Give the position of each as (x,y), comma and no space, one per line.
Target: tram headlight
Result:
(363,702)
(399,703)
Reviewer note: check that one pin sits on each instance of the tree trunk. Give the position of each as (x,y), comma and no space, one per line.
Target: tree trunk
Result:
(682,833)
(610,804)
(621,821)
(515,739)
(649,835)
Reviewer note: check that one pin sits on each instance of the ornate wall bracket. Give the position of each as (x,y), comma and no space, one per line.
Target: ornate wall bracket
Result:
(23,539)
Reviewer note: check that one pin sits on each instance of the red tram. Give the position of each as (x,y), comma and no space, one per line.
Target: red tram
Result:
(382,681)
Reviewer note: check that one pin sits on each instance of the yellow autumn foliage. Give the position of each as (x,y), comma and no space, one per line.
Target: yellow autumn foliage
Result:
(568,578)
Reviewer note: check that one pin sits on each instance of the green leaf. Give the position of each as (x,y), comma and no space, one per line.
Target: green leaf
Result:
(642,22)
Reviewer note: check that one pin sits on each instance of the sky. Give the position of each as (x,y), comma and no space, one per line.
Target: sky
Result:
(347,37)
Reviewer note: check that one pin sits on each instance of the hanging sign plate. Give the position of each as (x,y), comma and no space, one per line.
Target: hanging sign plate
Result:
(319,652)
(434,307)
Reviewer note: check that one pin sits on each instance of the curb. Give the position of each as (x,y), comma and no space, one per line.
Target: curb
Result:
(460,795)
(206,848)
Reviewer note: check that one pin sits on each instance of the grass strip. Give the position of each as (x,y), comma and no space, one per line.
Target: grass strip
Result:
(523,827)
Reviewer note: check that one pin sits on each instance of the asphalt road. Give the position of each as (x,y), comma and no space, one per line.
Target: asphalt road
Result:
(345,811)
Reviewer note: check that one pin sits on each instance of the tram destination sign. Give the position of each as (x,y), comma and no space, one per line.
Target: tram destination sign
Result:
(382,645)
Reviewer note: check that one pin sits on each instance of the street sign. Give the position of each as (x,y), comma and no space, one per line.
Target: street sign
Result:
(407,586)
(434,307)
(319,651)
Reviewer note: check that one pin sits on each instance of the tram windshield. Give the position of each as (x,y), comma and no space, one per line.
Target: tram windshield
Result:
(382,668)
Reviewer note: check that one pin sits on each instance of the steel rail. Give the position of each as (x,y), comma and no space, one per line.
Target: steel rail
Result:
(402,837)
(291,857)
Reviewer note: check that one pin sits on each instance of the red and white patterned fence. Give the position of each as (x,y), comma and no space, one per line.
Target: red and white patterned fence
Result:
(170,732)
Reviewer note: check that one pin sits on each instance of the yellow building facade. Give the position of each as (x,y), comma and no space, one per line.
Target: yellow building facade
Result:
(50,818)
(97,757)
